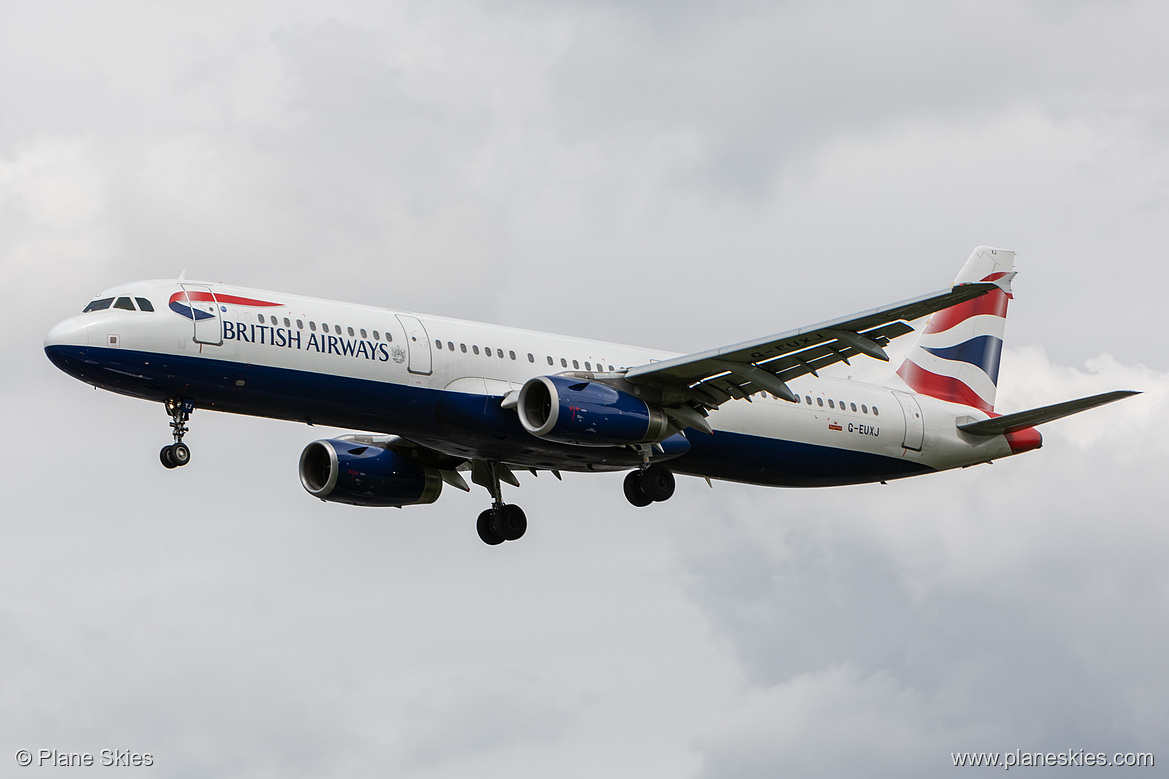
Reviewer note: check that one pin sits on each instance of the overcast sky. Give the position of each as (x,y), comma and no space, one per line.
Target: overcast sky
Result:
(680,175)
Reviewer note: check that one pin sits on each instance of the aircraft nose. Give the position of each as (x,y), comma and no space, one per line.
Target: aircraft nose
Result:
(70,332)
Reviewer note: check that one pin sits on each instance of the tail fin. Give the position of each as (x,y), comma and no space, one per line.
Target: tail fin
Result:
(956,356)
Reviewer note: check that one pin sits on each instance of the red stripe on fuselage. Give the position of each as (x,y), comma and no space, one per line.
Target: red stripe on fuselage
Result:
(209,297)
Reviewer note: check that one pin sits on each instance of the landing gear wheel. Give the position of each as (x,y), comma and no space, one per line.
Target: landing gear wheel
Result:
(486,528)
(177,454)
(510,522)
(634,492)
(180,454)
(657,482)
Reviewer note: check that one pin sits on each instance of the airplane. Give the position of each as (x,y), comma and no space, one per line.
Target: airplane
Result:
(438,398)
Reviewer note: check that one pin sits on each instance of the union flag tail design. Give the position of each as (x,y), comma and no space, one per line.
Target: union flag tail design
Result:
(956,356)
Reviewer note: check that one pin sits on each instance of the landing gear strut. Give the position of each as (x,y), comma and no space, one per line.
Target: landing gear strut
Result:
(650,485)
(177,454)
(502,522)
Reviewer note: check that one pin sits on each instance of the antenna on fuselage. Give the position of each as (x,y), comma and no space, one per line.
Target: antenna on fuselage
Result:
(183,275)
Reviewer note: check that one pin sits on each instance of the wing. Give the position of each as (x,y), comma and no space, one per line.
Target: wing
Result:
(688,386)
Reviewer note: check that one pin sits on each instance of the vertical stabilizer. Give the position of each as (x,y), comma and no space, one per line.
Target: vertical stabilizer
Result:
(956,356)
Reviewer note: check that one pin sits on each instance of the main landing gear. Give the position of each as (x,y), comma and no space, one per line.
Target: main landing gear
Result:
(177,454)
(502,522)
(652,484)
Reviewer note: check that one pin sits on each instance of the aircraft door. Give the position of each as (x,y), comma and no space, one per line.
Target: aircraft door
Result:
(914,423)
(205,313)
(417,345)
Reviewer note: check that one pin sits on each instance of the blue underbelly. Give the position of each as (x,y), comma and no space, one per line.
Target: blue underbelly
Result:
(459,424)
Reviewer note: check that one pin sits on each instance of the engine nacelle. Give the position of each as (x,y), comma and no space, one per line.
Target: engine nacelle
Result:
(364,475)
(587,413)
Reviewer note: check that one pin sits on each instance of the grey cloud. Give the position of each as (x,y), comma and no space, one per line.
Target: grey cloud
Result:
(919,593)
(647,174)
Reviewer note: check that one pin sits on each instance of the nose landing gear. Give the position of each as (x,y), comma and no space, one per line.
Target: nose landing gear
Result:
(178,453)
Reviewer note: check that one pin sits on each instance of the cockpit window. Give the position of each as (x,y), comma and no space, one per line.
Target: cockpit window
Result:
(98,305)
(124,304)
(144,304)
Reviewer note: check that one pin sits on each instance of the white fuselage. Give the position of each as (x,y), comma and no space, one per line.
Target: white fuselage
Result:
(430,379)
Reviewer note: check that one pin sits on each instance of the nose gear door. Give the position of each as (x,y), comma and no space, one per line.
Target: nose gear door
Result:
(205,313)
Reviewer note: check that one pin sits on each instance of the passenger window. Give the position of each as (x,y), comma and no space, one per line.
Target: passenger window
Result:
(363,335)
(853,407)
(864,409)
(575,364)
(475,349)
(531,357)
(610,369)
(808,398)
(438,344)
(820,402)
(125,304)
(831,404)
(875,412)
(549,356)
(511,354)
(351,333)
(499,353)
(312,326)
(324,327)
(377,336)
(337,330)
(389,336)
(463,347)
(261,318)
(563,363)
(450,345)
(287,323)
(299,324)
(587,366)
(144,304)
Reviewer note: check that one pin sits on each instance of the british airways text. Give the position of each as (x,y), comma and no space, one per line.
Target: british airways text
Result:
(292,339)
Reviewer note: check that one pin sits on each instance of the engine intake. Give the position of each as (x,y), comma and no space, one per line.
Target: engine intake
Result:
(364,475)
(587,413)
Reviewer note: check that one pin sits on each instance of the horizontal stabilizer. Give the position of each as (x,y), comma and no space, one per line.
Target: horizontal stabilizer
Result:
(1014,422)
